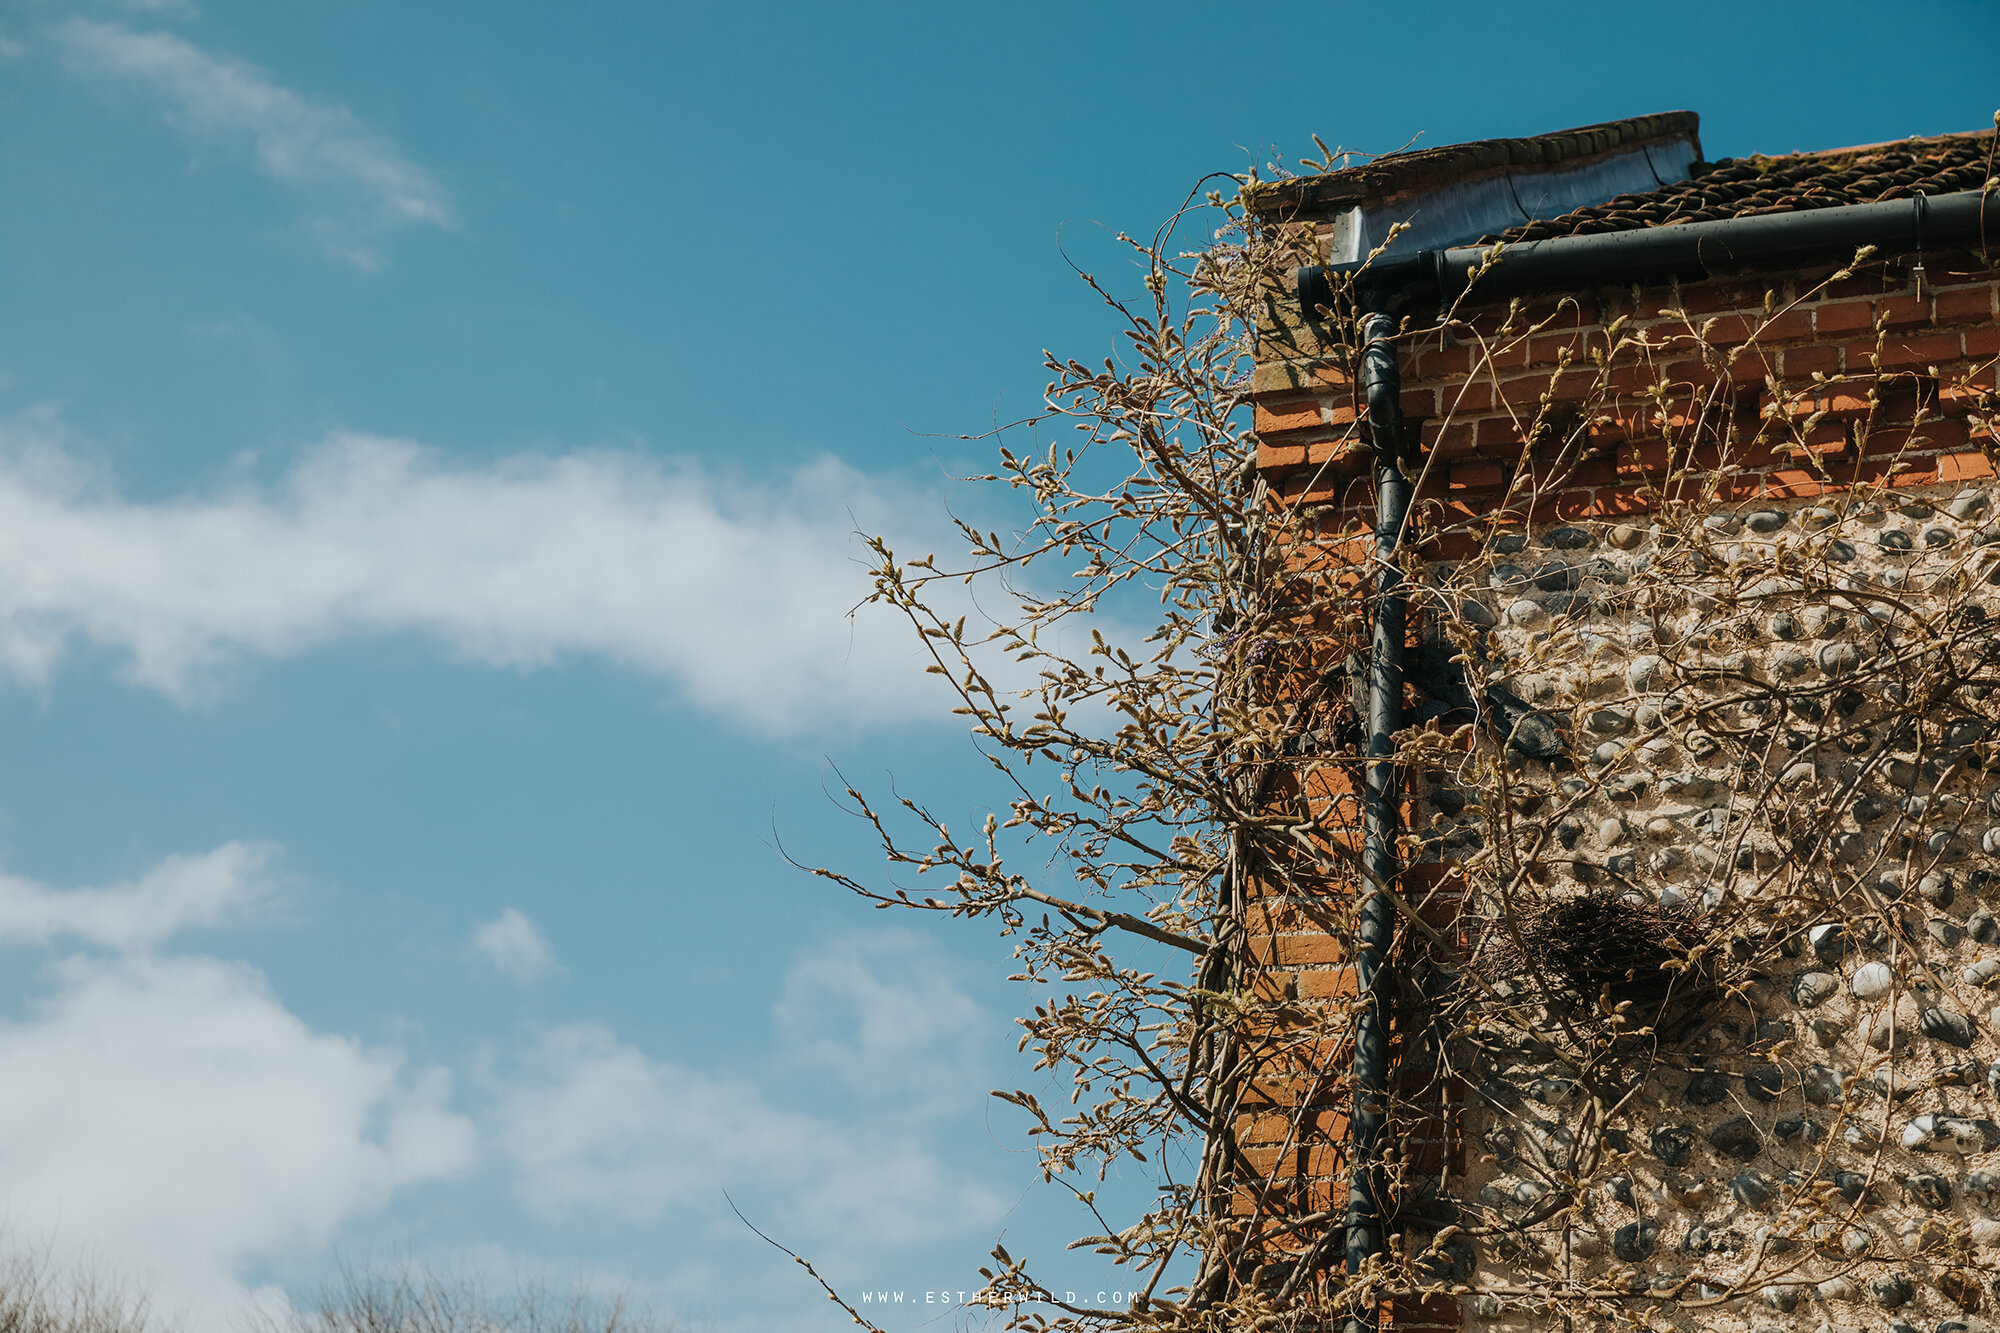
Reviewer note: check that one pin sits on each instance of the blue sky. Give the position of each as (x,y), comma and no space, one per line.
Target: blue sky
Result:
(431,437)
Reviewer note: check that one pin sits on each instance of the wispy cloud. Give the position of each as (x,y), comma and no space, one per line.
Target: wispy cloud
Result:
(515,945)
(738,593)
(593,1125)
(178,893)
(363,185)
(171,9)
(883,1016)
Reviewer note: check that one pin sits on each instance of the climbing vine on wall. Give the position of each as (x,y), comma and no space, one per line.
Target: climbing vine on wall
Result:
(1703,855)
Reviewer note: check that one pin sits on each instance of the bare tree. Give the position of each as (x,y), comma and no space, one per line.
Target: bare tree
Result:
(40,1295)
(1675,791)
(412,1298)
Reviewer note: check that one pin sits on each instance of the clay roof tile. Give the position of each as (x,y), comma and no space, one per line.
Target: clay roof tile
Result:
(1795,181)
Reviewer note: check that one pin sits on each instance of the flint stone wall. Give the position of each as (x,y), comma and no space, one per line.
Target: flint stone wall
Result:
(1838,1122)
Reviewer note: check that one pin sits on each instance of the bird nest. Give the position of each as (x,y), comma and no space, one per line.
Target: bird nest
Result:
(1611,944)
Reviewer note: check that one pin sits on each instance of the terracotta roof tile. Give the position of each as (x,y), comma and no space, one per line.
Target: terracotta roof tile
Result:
(1740,187)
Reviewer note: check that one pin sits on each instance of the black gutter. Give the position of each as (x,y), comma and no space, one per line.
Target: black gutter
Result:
(1692,249)
(1375,926)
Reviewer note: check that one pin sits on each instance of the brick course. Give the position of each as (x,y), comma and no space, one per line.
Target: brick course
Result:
(1478,394)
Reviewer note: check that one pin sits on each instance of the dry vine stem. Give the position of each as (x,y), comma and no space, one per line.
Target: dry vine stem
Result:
(1699,861)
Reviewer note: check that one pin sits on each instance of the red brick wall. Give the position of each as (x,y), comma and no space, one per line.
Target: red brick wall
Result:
(1775,385)
(1900,401)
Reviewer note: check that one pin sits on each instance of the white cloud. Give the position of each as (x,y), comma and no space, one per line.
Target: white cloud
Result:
(179,892)
(365,185)
(513,943)
(594,1125)
(170,1119)
(737,593)
(883,1014)
(181,10)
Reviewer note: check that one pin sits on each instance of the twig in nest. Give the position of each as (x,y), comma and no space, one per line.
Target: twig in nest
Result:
(1611,941)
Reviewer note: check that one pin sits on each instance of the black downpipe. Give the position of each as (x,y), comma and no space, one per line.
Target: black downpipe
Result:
(1375,928)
